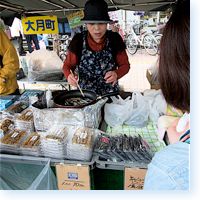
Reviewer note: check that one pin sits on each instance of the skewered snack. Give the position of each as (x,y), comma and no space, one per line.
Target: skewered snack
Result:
(13,138)
(32,141)
(76,101)
(57,134)
(24,120)
(53,143)
(26,116)
(82,136)
(54,137)
(5,124)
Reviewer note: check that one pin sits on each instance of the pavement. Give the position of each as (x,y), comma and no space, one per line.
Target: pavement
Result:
(136,79)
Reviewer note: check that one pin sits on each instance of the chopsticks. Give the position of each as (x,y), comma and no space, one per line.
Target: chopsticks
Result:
(78,85)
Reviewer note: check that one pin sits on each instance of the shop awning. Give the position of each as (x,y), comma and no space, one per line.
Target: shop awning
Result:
(61,7)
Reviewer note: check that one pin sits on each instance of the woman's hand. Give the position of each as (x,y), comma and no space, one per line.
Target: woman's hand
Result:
(111,77)
(72,80)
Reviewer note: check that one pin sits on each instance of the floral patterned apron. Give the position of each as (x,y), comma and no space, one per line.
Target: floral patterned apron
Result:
(93,67)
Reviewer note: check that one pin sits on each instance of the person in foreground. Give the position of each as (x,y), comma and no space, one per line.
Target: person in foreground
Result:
(9,65)
(96,58)
(169,168)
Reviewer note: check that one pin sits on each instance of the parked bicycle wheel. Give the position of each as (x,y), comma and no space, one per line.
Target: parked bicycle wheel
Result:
(150,44)
(131,44)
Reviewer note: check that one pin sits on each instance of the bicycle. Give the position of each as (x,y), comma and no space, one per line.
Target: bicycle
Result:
(65,41)
(146,40)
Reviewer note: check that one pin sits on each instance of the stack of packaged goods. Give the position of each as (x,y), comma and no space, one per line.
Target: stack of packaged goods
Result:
(31,146)
(24,120)
(81,143)
(123,148)
(53,142)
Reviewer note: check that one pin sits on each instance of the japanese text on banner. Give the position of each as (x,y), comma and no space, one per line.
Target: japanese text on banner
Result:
(74,19)
(40,25)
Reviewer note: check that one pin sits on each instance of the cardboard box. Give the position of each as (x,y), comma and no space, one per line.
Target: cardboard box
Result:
(153,84)
(73,177)
(134,178)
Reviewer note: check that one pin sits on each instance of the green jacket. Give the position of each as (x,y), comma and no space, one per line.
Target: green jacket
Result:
(9,65)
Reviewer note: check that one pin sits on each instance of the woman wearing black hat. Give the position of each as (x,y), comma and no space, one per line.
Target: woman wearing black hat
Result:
(98,55)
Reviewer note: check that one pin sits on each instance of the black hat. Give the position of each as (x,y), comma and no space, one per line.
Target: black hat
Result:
(96,11)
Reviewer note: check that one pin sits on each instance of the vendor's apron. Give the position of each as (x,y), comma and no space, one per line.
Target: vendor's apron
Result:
(93,67)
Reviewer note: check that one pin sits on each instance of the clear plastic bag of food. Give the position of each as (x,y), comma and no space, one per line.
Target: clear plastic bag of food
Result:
(139,114)
(12,140)
(31,145)
(53,142)
(24,120)
(6,124)
(17,107)
(81,142)
(123,148)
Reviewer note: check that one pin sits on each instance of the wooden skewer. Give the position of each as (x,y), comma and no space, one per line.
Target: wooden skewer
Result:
(78,85)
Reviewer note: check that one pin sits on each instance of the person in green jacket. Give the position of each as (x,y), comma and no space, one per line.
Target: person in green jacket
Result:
(9,65)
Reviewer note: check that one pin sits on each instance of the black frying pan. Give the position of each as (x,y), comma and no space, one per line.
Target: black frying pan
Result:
(91,97)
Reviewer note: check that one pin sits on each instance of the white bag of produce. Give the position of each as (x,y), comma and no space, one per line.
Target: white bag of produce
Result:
(139,111)
(117,111)
(131,111)
(157,104)
(44,65)
(44,60)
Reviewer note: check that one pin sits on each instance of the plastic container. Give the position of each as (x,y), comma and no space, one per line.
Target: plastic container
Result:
(6,101)
(90,116)
(118,165)
(17,107)
(31,146)
(121,151)
(6,124)
(12,140)
(80,143)
(53,143)
(24,120)
(4,104)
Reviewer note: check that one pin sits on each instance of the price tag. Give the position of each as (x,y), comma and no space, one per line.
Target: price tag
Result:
(73,177)
(134,178)
(15,134)
(35,137)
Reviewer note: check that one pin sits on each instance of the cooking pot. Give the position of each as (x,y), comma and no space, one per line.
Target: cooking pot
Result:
(92,97)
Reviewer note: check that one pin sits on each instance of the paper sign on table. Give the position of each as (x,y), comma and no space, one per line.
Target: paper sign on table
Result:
(73,177)
(134,178)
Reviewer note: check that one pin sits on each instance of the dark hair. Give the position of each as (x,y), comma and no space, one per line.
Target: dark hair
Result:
(174,63)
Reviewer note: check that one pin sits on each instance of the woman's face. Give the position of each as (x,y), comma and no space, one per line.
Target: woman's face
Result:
(97,31)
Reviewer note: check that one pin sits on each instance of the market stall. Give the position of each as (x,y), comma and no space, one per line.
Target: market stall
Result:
(32,134)
(87,139)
